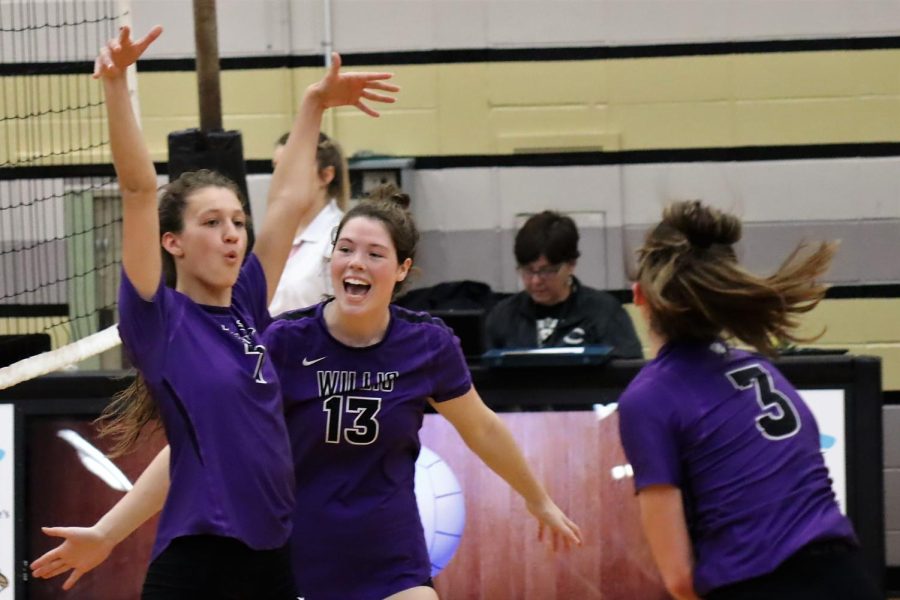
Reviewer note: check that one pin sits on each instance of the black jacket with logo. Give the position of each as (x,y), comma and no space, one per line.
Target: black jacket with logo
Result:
(587,316)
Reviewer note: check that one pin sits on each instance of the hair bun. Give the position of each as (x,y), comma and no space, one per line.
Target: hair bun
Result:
(702,225)
(388,192)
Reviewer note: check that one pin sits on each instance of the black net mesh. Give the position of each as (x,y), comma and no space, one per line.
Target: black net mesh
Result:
(59,209)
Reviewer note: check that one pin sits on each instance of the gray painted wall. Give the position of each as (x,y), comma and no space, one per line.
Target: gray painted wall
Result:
(469,216)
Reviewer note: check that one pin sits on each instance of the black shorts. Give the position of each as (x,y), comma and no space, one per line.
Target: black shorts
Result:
(213,567)
(827,570)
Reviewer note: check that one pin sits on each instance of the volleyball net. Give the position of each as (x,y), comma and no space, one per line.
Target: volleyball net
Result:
(60,218)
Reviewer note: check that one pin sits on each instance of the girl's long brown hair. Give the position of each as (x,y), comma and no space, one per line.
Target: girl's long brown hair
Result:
(133,409)
(696,290)
(127,415)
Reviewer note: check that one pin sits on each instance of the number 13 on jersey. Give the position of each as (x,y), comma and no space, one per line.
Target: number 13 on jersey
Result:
(364,429)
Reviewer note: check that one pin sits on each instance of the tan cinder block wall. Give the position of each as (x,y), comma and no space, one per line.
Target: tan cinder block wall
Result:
(864,326)
(504,107)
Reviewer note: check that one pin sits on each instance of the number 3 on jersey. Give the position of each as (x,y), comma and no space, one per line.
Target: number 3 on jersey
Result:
(779,419)
(365,426)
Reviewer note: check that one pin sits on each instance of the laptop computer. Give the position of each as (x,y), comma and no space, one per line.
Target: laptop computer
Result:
(544,357)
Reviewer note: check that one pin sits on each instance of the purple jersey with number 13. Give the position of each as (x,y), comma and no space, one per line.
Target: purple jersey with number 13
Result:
(354,416)
(733,434)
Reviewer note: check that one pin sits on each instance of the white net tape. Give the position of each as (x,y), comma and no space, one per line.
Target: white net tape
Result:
(54,360)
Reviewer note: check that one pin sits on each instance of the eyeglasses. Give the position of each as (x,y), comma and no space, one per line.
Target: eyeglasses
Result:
(542,273)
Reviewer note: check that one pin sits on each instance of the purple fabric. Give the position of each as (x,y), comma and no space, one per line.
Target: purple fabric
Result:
(220,402)
(354,415)
(756,490)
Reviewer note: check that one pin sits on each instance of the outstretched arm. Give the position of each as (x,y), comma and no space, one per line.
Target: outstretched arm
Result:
(134,169)
(487,436)
(662,518)
(84,548)
(293,188)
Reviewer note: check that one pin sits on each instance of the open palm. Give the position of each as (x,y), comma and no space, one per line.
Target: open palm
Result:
(350,89)
(123,52)
(82,550)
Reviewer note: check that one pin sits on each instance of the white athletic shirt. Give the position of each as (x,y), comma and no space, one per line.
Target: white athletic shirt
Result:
(305,279)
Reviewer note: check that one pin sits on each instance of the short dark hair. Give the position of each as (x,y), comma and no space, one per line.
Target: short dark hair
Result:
(549,234)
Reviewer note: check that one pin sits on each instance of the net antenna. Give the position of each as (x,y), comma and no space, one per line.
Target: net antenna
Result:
(60,216)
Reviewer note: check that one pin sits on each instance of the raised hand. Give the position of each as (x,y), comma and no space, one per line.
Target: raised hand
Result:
(561,528)
(119,54)
(83,549)
(350,89)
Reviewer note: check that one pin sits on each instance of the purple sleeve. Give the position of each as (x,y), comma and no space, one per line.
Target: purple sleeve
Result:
(649,428)
(274,342)
(143,327)
(450,373)
(249,293)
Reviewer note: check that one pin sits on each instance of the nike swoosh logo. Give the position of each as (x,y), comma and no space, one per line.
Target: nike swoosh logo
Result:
(307,362)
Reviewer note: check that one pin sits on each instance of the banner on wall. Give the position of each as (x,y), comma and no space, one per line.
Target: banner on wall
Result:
(827,407)
(7,487)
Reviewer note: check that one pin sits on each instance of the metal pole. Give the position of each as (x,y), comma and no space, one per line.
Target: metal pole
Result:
(206,37)
(327,44)
(327,47)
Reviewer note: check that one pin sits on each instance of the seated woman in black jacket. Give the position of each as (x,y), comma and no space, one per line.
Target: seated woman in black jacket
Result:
(555,309)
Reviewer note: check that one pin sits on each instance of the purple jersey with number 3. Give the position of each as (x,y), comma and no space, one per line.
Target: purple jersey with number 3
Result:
(354,416)
(733,434)
(220,401)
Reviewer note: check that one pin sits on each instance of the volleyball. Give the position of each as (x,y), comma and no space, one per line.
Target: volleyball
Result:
(442,507)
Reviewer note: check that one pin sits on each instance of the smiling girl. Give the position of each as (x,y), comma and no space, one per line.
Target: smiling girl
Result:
(354,411)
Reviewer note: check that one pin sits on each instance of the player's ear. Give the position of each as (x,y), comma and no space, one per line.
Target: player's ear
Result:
(403,269)
(326,175)
(638,294)
(172,244)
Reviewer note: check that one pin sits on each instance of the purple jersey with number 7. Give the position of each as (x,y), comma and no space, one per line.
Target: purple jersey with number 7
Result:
(354,416)
(733,434)
(220,401)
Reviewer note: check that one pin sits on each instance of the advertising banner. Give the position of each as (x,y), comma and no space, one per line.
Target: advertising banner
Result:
(7,490)
(827,407)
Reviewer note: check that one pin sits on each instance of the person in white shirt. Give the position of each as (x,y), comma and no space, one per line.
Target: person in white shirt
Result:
(304,280)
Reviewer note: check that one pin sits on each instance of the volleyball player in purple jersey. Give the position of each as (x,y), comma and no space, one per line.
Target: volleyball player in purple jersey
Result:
(202,364)
(355,396)
(358,373)
(735,499)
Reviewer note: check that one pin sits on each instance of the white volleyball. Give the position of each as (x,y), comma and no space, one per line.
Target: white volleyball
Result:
(442,507)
